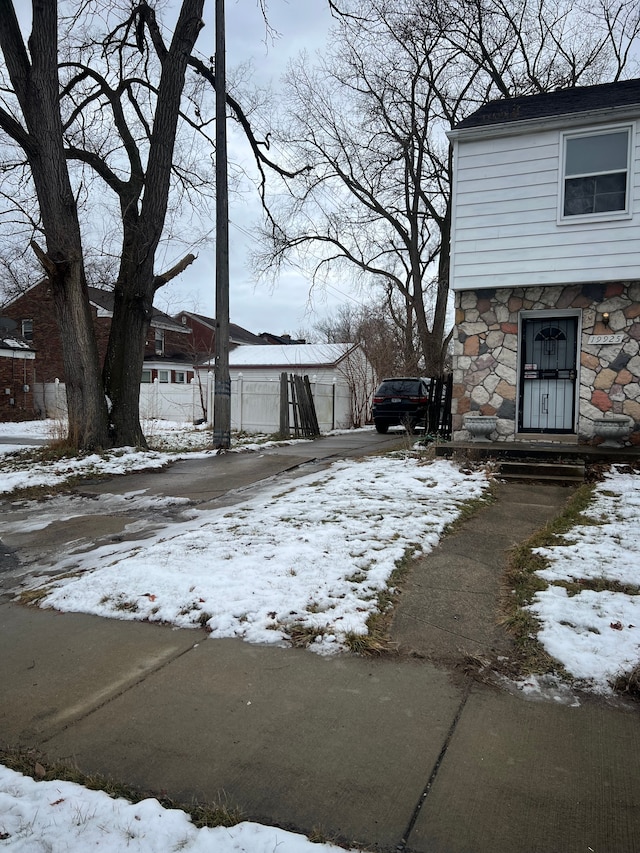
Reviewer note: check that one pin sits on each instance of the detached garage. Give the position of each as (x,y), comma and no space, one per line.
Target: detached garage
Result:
(341,378)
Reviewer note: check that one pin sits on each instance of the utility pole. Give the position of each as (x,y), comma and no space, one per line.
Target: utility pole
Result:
(222,387)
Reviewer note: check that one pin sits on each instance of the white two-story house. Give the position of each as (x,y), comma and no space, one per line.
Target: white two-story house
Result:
(545,264)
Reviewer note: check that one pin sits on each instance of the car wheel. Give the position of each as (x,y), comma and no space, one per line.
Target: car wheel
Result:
(381,428)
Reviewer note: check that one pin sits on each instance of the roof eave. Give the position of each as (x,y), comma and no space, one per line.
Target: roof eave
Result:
(158,323)
(20,354)
(522,126)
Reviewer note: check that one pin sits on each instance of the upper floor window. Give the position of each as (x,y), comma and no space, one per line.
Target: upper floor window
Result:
(27,330)
(596,173)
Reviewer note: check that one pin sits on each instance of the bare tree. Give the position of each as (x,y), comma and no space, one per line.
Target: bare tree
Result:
(119,93)
(16,273)
(119,96)
(372,200)
(357,372)
(35,124)
(34,120)
(373,327)
(370,119)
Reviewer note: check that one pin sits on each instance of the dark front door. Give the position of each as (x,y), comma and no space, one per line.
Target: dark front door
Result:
(548,374)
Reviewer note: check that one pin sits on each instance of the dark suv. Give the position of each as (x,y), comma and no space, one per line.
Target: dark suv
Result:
(403,400)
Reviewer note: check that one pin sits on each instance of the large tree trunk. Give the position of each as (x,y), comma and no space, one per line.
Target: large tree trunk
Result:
(137,283)
(86,405)
(123,365)
(37,89)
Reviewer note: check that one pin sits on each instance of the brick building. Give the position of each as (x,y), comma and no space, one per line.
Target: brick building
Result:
(17,358)
(168,343)
(203,331)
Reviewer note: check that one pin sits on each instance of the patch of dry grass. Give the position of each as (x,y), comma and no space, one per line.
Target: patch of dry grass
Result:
(522,582)
(36,764)
(628,683)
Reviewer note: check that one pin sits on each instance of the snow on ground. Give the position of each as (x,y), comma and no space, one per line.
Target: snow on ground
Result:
(169,441)
(309,556)
(20,472)
(63,817)
(596,634)
(313,556)
(48,428)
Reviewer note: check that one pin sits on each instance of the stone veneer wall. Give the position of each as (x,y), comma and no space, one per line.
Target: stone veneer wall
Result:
(485,355)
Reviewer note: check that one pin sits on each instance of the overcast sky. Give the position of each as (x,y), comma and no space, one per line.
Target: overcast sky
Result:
(258,306)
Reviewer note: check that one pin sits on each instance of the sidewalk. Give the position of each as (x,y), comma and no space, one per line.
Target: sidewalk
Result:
(396,753)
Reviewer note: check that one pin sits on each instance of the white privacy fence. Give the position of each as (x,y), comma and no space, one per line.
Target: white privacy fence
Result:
(166,402)
(255,403)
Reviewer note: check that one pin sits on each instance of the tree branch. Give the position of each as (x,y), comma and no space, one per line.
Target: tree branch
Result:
(162,278)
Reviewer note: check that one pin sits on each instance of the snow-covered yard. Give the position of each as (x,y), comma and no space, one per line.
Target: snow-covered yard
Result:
(595,633)
(168,441)
(307,559)
(310,557)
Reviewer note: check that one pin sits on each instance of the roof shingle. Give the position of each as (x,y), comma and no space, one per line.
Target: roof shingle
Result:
(624,93)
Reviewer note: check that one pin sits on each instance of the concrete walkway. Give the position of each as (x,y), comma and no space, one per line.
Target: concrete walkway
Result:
(449,609)
(394,754)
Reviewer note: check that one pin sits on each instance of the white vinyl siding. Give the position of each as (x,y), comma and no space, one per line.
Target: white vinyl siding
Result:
(506,230)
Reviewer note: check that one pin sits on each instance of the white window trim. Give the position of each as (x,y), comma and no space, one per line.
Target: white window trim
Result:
(608,216)
(26,333)
(166,381)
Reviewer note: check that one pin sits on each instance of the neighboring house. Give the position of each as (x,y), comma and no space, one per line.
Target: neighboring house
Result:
(203,335)
(33,311)
(167,359)
(17,358)
(268,338)
(341,377)
(545,264)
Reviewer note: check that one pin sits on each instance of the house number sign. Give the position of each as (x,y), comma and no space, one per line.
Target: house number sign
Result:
(605,339)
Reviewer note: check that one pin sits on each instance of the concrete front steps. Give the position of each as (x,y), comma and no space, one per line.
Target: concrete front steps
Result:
(547,472)
(538,461)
